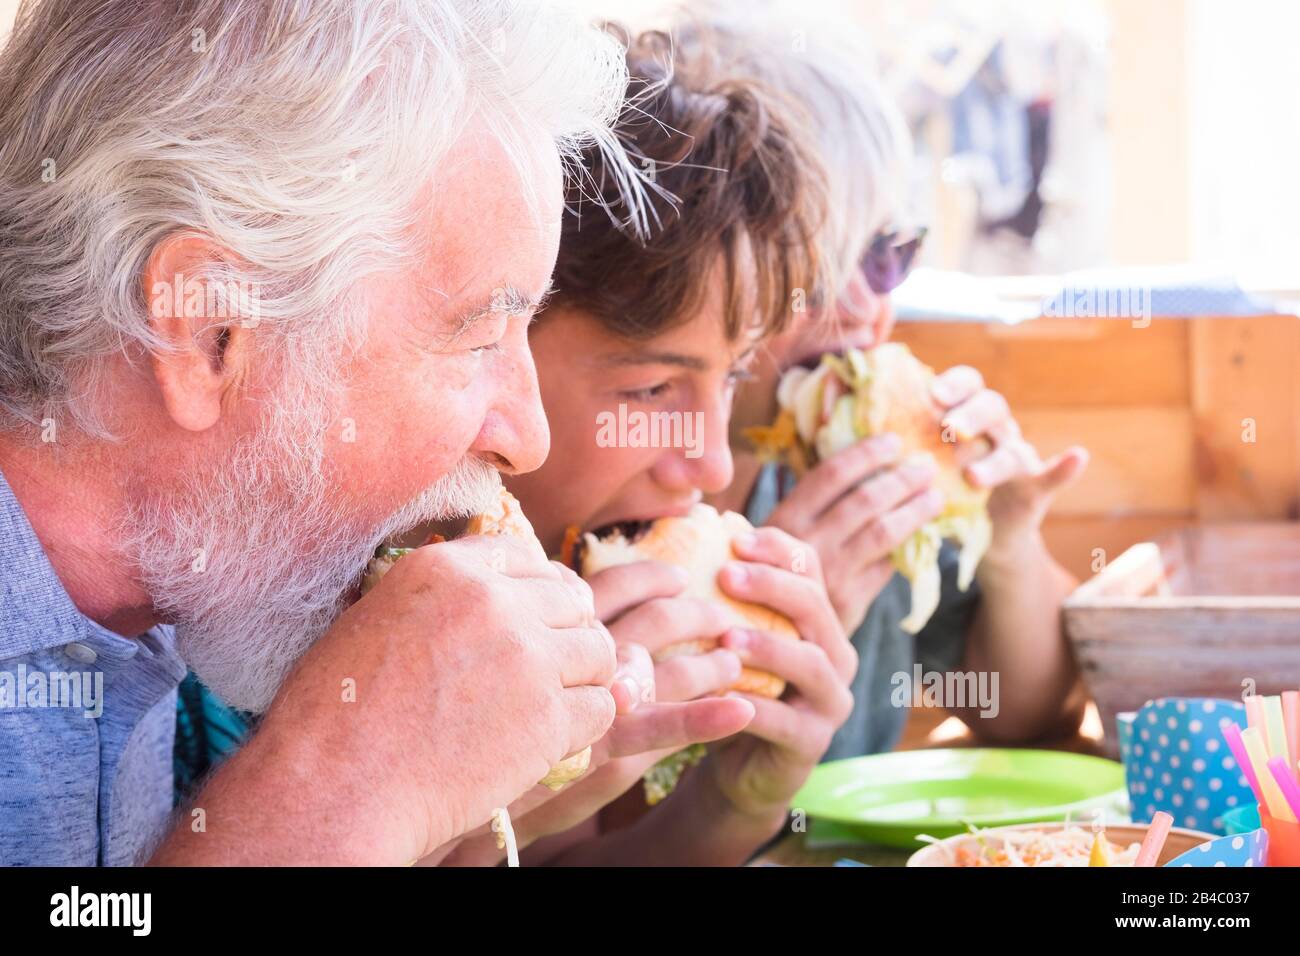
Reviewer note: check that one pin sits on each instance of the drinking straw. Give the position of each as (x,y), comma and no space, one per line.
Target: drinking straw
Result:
(1273,798)
(1256,718)
(1232,733)
(1277,744)
(1154,841)
(1291,719)
(1286,783)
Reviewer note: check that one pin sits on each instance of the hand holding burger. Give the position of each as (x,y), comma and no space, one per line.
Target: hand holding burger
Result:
(887,391)
(758,592)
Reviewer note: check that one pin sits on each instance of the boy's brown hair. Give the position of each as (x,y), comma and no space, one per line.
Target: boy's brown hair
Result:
(732,191)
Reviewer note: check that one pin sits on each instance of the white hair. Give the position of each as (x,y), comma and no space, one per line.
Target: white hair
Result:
(826,65)
(251,557)
(295,134)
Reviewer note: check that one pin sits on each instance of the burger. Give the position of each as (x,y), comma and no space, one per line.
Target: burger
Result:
(699,542)
(504,518)
(852,396)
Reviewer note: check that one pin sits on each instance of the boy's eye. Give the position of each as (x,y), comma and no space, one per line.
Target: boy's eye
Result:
(491,347)
(646,394)
(738,375)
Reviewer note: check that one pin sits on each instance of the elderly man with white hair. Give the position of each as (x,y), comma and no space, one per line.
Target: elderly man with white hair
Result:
(266,271)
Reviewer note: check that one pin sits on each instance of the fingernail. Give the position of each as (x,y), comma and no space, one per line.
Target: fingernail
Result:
(889,444)
(634,692)
(921,463)
(934,497)
(736,573)
(681,574)
(736,640)
(745,541)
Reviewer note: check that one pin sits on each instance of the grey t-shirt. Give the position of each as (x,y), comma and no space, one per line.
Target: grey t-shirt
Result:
(884,648)
(87,720)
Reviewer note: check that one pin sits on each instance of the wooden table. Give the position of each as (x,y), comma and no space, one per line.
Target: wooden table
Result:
(926,728)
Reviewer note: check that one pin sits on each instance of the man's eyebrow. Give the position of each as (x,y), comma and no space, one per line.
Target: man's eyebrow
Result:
(505,300)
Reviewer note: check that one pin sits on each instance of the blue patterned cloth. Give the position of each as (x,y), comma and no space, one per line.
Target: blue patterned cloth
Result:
(207,732)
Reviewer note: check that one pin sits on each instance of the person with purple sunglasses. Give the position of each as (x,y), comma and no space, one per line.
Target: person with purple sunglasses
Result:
(1008,623)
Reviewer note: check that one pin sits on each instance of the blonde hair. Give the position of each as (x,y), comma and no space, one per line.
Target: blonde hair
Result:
(828,66)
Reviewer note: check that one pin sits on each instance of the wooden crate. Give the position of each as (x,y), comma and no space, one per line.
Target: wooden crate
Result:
(1210,611)
(1189,421)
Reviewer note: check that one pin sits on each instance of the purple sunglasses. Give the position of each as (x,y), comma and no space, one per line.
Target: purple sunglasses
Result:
(890,258)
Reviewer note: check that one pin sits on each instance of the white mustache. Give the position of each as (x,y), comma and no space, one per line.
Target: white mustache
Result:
(277,571)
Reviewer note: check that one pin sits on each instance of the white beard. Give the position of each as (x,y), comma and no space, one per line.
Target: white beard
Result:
(252,567)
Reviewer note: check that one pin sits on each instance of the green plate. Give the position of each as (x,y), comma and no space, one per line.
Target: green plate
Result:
(891,798)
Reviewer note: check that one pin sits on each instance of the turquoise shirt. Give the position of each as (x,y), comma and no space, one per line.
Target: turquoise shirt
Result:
(207,732)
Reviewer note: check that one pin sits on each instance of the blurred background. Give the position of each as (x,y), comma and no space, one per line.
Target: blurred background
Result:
(1054,135)
(1142,144)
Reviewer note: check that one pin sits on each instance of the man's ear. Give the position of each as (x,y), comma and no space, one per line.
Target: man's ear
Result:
(208,343)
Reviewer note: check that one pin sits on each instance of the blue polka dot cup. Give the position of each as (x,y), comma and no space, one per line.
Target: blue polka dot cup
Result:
(1176,760)
(1239,849)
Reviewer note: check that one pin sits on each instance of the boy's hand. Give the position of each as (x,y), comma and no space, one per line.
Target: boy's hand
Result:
(760,770)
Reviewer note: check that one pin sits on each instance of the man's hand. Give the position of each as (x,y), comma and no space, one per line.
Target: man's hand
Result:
(662,707)
(447,691)
(995,455)
(855,508)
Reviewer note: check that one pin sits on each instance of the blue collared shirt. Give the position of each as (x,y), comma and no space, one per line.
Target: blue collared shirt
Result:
(87,720)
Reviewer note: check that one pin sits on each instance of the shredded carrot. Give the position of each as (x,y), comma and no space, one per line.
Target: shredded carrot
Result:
(1070,846)
(571,535)
(434,538)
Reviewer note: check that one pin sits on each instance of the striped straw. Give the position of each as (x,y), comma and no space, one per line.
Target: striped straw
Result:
(1273,798)
(1291,718)
(1256,719)
(1277,743)
(1286,783)
(1154,841)
(1232,734)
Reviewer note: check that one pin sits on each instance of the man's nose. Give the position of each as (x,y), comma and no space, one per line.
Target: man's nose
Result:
(515,434)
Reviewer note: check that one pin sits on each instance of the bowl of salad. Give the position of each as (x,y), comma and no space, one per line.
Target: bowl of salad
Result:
(1053,844)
